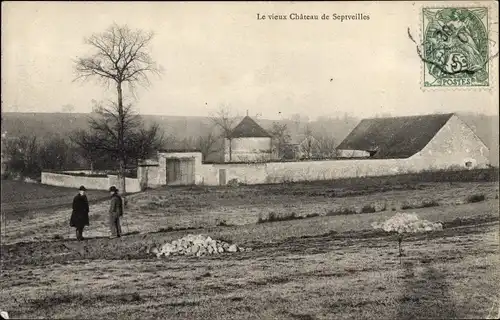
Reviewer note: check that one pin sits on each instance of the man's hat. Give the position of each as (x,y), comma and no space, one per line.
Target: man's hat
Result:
(113,189)
(82,188)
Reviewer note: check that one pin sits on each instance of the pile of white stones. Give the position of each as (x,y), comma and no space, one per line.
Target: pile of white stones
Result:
(195,245)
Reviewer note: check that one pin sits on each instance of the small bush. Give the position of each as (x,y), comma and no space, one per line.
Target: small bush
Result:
(403,224)
(233,183)
(312,215)
(170,229)
(222,223)
(368,209)
(341,212)
(273,217)
(424,204)
(476,198)
(429,204)
(406,206)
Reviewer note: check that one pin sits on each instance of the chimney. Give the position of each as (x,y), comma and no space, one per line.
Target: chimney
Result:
(247,112)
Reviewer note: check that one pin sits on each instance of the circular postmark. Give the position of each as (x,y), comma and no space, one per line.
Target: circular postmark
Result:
(456,46)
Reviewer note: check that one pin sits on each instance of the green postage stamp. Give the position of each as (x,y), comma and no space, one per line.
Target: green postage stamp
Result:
(455,47)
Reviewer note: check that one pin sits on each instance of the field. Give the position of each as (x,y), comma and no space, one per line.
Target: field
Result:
(19,198)
(319,264)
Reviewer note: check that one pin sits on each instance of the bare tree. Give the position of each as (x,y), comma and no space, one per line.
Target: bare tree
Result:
(309,146)
(146,141)
(86,143)
(120,57)
(206,144)
(281,137)
(225,122)
(103,139)
(170,141)
(21,156)
(327,146)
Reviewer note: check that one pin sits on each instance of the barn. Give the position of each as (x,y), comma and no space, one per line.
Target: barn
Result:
(247,142)
(436,139)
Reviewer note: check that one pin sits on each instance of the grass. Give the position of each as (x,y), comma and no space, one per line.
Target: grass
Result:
(348,276)
(331,266)
(20,197)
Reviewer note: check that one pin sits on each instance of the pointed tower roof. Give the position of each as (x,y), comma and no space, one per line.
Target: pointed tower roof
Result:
(248,128)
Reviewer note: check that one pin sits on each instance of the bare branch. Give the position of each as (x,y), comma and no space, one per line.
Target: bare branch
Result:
(120,54)
(224,121)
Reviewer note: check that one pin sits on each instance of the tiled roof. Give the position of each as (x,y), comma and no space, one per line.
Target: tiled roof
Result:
(397,137)
(248,128)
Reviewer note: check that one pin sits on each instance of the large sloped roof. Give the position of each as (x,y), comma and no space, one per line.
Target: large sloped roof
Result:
(248,128)
(398,137)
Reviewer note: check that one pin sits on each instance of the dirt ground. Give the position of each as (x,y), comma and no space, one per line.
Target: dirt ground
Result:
(324,267)
(20,198)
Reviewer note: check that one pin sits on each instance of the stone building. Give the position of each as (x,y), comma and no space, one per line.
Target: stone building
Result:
(248,142)
(382,146)
(435,139)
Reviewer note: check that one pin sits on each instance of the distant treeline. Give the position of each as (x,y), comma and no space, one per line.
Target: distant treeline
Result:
(40,141)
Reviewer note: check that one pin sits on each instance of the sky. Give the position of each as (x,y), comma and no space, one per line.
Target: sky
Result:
(219,54)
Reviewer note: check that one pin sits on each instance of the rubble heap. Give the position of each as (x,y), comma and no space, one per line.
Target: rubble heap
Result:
(195,245)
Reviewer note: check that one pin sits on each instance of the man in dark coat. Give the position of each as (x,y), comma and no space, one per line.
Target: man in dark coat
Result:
(115,212)
(80,215)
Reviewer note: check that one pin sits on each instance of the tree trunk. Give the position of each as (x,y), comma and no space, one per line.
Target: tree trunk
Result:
(121,177)
(400,239)
(230,149)
(121,147)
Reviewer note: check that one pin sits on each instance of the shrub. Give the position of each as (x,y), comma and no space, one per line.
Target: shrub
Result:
(273,217)
(423,204)
(233,183)
(343,211)
(406,223)
(429,204)
(312,215)
(406,206)
(368,209)
(384,208)
(222,223)
(476,198)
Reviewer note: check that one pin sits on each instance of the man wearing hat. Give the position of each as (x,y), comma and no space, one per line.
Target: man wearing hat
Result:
(80,215)
(115,212)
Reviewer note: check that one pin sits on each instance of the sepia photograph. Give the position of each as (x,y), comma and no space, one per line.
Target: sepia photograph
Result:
(250,160)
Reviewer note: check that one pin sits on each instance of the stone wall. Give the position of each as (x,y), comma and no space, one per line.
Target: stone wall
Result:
(131,184)
(278,172)
(162,165)
(92,183)
(455,146)
(149,175)
(71,181)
